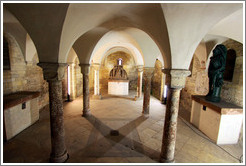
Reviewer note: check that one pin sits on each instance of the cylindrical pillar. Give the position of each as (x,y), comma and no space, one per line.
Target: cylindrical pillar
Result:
(140,82)
(86,95)
(148,72)
(58,150)
(170,127)
(85,69)
(175,80)
(53,73)
(146,101)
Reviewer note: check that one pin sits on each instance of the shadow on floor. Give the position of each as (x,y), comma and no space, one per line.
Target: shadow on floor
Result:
(102,143)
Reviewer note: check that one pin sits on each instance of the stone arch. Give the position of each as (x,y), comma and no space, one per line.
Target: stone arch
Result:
(103,52)
(115,49)
(158,81)
(110,60)
(31,51)
(135,40)
(44,27)
(13,47)
(17,67)
(76,26)
(190,28)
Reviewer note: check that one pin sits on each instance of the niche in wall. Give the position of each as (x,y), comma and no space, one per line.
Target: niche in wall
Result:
(6,60)
(230,64)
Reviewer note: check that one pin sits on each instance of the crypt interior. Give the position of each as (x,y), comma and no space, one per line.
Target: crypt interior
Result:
(120,83)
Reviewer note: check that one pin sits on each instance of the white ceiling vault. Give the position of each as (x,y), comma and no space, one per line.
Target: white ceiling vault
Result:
(170,32)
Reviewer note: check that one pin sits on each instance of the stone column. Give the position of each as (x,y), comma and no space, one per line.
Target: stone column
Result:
(140,82)
(175,80)
(85,69)
(97,94)
(53,73)
(148,73)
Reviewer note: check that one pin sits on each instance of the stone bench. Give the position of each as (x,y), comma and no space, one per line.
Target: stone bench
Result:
(20,110)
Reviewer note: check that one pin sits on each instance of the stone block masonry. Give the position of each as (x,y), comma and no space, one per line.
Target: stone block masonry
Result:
(24,76)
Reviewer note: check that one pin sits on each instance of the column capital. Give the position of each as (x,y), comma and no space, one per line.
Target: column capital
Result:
(71,64)
(96,66)
(85,68)
(140,68)
(176,77)
(148,71)
(53,71)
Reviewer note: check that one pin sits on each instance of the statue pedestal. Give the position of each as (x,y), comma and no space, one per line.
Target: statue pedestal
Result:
(221,121)
(118,87)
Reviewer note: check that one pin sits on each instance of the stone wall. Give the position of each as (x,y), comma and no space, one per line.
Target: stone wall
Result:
(157,81)
(24,76)
(108,64)
(196,83)
(14,79)
(35,82)
(78,79)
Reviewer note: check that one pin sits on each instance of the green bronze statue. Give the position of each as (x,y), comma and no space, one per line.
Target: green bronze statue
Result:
(215,73)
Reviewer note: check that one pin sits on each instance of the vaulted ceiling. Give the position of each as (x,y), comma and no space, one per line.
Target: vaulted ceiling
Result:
(148,30)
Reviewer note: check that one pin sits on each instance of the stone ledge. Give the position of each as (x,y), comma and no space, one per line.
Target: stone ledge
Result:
(115,80)
(14,99)
(222,107)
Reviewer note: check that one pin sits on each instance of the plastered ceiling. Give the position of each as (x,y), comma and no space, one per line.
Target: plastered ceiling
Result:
(172,31)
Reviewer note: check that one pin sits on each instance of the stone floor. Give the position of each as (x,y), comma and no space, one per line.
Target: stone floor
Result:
(89,140)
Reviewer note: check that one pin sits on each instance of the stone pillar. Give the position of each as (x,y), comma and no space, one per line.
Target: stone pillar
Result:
(140,82)
(53,73)
(85,69)
(148,73)
(175,80)
(97,94)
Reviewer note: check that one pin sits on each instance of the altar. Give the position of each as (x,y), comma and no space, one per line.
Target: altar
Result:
(118,87)
(118,83)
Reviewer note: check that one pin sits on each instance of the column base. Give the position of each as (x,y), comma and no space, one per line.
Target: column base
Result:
(61,159)
(86,113)
(146,115)
(145,111)
(98,97)
(166,161)
(137,98)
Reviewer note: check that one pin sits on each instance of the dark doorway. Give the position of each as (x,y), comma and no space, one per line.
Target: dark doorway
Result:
(230,64)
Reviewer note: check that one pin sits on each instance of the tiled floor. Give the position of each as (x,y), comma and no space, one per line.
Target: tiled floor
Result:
(88,140)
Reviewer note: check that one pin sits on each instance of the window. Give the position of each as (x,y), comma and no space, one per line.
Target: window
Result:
(230,64)
(119,62)
(6,60)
